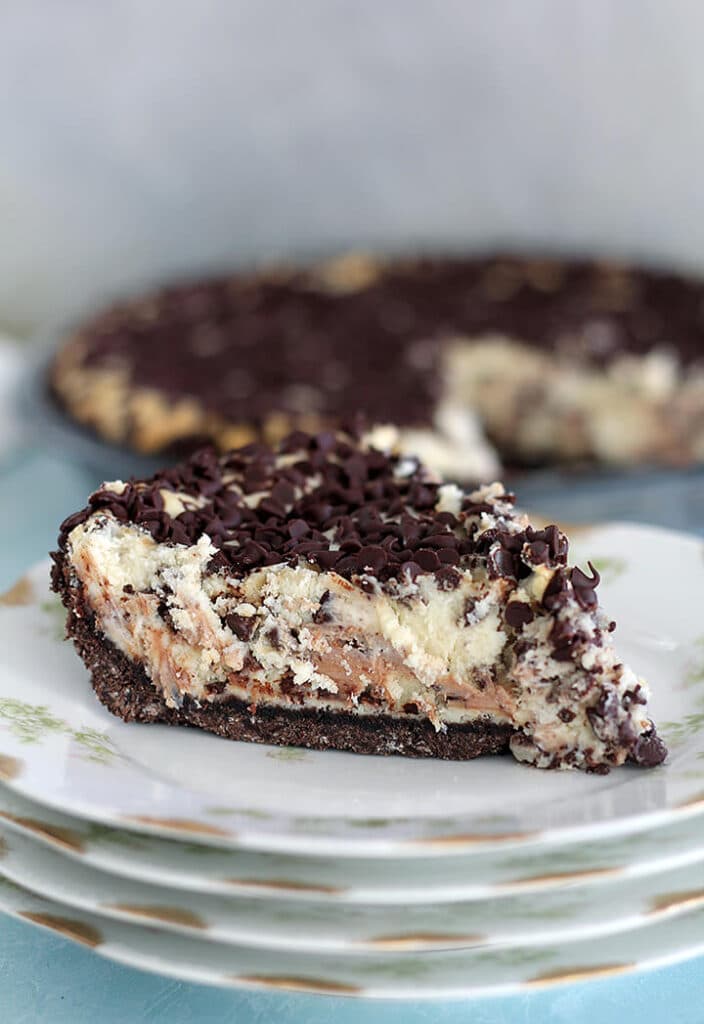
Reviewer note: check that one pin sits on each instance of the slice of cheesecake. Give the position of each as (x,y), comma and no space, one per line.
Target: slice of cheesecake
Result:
(330,594)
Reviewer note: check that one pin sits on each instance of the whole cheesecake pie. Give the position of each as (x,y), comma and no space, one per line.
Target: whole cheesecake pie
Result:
(527,361)
(328,592)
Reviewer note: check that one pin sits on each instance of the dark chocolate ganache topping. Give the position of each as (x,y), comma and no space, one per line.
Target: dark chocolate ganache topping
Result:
(329,501)
(249,346)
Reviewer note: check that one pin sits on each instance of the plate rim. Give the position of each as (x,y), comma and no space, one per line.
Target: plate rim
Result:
(86,929)
(54,837)
(667,897)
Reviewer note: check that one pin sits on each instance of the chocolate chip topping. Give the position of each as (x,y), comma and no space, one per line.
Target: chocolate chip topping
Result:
(557,591)
(329,501)
(646,749)
(649,750)
(518,614)
(240,625)
(584,587)
(565,640)
(245,346)
(322,614)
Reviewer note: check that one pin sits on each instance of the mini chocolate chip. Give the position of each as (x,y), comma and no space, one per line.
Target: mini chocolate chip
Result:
(274,638)
(584,587)
(564,637)
(295,441)
(555,594)
(565,715)
(242,626)
(273,558)
(372,559)
(649,750)
(251,554)
(605,710)
(501,563)
(472,508)
(321,613)
(426,559)
(627,733)
(565,652)
(272,508)
(512,542)
(283,493)
(298,528)
(327,559)
(518,614)
(348,566)
(566,640)
(440,540)
(411,529)
(178,534)
(538,552)
(269,537)
(421,496)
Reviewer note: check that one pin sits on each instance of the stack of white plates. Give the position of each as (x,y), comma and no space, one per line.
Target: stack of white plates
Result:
(244,865)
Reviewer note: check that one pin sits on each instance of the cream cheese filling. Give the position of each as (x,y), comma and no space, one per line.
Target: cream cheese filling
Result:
(541,404)
(418,650)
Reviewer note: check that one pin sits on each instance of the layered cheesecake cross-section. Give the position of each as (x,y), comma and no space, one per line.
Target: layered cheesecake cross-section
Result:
(329,593)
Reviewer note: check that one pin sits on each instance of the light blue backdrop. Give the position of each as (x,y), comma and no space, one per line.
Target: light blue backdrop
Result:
(145,138)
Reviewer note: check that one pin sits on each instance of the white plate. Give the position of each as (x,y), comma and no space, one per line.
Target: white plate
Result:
(438,975)
(538,918)
(198,869)
(59,746)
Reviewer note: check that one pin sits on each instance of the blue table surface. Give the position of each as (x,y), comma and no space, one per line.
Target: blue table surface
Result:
(44,978)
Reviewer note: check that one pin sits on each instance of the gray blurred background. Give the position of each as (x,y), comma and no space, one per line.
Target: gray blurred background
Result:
(142,138)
